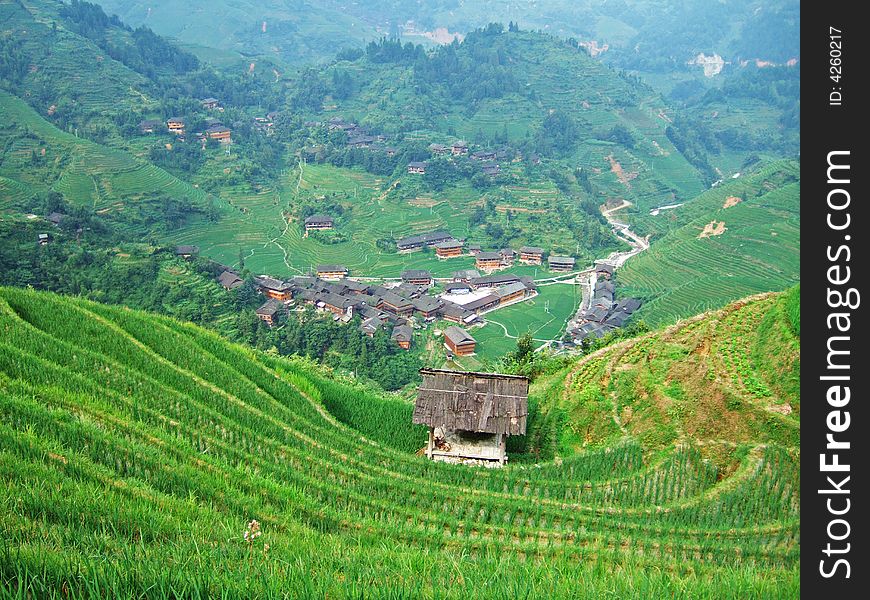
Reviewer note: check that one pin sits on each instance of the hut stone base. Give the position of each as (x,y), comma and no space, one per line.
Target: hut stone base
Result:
(467,447)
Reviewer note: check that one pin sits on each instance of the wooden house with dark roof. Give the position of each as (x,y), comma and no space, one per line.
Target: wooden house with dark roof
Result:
(604,270)
(427,306)
(531,255)
(268,313)
(417,277)
(220,133)
(488,261)
(470,414)
(484,304)
(448,249)
(274,288)
(230,280)
(175,125)
(455,313)
(403,335)
(150,126)
(415,242)
(331,272)
(417,167)
(459,148)
(561,264)
(396,305)
(458,341)
(319,223)
(186,251)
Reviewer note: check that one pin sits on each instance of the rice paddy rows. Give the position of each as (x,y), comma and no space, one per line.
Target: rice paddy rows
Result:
(109,397)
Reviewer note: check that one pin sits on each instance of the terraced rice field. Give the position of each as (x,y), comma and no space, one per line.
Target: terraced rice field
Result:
(683,274)
(90,174)
(136,450)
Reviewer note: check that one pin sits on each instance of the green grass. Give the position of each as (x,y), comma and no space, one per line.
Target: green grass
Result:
(134,449)
(86,173)
(729,377)
(544,316)
(682,274)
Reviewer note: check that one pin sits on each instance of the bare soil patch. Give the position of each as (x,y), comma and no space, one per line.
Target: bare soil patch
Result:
(713,228)
(731,201)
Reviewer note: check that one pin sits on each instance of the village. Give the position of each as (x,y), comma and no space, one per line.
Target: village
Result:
(414,299)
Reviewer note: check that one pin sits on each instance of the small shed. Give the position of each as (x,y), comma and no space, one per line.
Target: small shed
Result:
(471,414)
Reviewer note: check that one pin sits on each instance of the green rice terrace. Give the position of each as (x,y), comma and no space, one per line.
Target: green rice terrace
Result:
(141,456)
(734,240)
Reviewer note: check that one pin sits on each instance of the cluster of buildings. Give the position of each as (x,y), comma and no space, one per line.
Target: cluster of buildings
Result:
(603,314)
(468,296)
(215,128)
(447,246)
(487,158)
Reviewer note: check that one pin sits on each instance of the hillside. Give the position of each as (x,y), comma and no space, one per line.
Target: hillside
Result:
(292,31)
(738,239)
(722,378)
(135,450)
(85,172)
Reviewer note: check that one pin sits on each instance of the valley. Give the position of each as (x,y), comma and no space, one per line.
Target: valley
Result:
(388,300)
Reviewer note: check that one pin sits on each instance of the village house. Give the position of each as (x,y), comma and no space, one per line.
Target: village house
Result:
(43,239)
(458,341)
(483,155)
(319,223)
(230,280)
(331,272)
(356,287)
(417,277)
(512,292)
(268,313)
(491,281)
(465,275)
(449,249)
(458,288)
(334,303)
(55,218)
(488,261)
(402,335)
(491,170)
(415,242)
(508,257)
(481,305)
(150,126)
(459,149)
(561,264)
(220,133)
(211,104)
(603,269)
(439,149)
(186,251)
(410,290)
(474,249)
(175,125)
(531,255)
(371,325)
(417,167)
(274,288)
(427,306)
(470,415)
(396,305)
(390,151)
(361,141)
(457,314)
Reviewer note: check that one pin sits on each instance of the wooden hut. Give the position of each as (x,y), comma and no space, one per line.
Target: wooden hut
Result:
(470,414)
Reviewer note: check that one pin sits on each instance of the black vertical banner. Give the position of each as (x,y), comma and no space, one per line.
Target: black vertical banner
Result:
(835,361)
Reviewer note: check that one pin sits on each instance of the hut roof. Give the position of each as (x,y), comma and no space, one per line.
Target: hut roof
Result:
(469,401)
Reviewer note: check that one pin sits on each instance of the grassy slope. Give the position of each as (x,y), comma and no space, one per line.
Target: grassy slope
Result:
(134,449)
(730,376)
(682,274)
(84,172)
